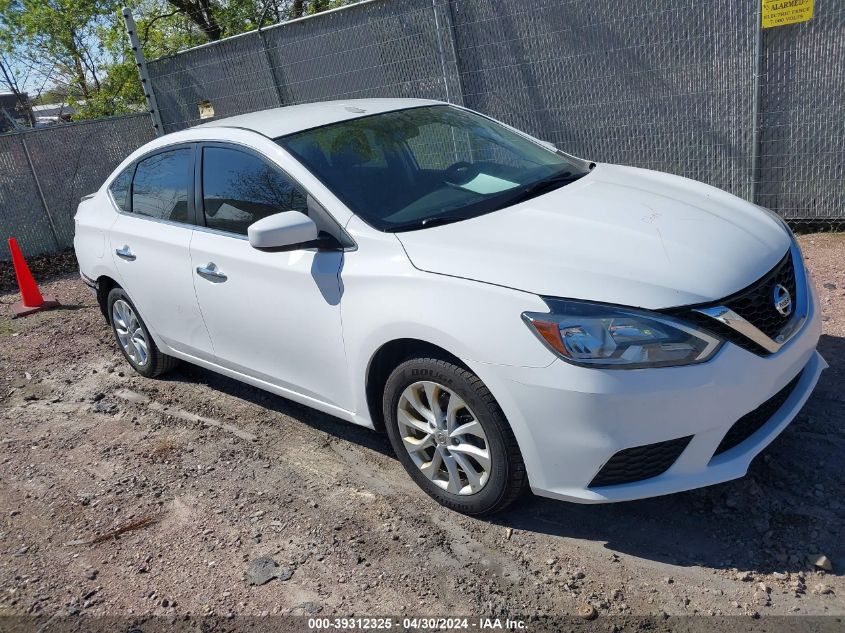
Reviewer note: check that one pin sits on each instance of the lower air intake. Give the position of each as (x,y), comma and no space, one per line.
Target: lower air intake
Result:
(752,422)
(640,462)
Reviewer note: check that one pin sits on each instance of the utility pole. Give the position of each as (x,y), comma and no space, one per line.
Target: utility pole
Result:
(141,63)
(755,104)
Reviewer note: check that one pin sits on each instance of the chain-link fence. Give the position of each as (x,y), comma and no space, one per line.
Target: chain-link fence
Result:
(377,48)
(802,124)
(662,84)
(44,173)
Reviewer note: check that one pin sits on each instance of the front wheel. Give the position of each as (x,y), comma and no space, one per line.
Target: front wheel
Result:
(451,436)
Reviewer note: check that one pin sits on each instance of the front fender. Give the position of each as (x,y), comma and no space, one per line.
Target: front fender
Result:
(385,298)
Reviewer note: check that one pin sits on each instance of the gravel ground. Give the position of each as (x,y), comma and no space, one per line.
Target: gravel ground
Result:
(202,475)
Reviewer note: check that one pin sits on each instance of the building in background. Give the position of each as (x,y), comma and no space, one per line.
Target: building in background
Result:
(52,113)
(15,111)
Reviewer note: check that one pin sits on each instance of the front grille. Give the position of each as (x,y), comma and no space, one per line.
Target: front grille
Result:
(752,422)
(755,304)
(640,462)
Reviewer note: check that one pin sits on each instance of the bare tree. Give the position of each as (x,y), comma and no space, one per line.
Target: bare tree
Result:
(11,82)
(201,13)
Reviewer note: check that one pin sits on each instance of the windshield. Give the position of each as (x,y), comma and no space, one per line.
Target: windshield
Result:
(420,167)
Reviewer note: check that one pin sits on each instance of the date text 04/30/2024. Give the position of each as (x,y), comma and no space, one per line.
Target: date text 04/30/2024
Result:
(421,623)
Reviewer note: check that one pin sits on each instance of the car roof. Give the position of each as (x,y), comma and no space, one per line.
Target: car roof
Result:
(295,118)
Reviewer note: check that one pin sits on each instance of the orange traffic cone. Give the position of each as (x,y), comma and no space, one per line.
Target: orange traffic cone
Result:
(31,299)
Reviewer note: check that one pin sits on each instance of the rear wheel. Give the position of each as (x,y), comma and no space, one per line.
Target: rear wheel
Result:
(133,337)
(451,436)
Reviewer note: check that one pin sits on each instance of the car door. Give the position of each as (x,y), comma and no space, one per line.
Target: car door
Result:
(150,243)
(272,315)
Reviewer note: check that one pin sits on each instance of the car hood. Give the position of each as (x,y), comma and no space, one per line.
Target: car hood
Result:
(619,235)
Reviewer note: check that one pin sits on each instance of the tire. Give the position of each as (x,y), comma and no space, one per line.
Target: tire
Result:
(154,362)
(407,389)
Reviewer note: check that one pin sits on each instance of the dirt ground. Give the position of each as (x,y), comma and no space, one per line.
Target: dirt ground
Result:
(214,474)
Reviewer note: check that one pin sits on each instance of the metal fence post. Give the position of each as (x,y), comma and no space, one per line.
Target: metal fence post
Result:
(267,58)
(41,193)
(454,41)
(141,63)
(270,67)
(755,107)
(440,50)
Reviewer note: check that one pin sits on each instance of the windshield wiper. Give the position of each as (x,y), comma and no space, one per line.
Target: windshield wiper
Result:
(543,186)
(427,223)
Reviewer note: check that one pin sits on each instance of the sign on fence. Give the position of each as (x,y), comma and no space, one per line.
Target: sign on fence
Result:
(206,109)
(783,12)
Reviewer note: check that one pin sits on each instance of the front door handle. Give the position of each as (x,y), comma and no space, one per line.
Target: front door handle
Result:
(211,272)
(125,253)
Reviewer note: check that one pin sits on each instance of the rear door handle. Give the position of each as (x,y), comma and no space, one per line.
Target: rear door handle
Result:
(125,253)
(211,272)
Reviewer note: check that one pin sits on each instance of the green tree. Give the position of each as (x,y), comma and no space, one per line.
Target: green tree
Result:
(57,38)
(77,50)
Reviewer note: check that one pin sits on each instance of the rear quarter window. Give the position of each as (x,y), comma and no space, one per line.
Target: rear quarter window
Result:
(119,188)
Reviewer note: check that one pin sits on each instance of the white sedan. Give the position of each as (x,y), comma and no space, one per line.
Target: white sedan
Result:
(511,315)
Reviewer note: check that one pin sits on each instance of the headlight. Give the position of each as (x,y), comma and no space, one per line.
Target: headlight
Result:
(597,335)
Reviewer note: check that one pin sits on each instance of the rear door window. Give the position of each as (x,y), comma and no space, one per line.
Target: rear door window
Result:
(240,188)
(161,185)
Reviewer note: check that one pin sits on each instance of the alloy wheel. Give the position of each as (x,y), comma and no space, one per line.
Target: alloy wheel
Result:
(130,333)
(444,438)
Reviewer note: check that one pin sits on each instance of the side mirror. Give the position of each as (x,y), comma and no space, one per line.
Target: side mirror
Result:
(282,229)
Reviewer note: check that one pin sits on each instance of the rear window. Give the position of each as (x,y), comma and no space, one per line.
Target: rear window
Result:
(160,187)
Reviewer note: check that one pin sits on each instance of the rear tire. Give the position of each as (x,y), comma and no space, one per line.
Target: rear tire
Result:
(461,451)
(133,338)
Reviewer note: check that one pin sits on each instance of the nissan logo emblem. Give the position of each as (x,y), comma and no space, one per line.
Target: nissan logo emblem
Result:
(782,300)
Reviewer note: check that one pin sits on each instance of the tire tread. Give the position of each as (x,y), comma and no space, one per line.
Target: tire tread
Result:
(163,364)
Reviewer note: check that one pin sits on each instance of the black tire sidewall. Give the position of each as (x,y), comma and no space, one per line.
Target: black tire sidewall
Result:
(488,414)
(148,369)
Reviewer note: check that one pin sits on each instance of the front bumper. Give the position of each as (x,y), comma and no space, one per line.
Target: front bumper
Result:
(569,421)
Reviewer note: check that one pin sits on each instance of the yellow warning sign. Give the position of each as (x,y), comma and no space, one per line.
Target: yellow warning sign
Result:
(783,12)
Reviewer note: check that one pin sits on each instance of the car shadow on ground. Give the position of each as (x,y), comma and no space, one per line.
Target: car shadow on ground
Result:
(786,509)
